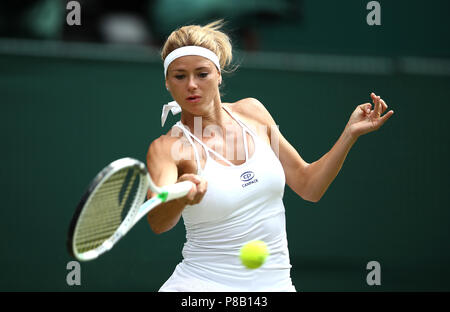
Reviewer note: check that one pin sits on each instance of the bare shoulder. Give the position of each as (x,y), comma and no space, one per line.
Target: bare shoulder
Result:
(252,109)
(160,148)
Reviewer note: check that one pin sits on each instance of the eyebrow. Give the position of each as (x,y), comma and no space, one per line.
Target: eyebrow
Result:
(198,68)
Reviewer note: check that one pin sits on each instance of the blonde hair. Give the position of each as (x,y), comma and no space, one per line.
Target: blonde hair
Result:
(208,36)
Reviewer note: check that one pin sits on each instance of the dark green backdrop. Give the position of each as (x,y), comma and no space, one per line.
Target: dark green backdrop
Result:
(64,119)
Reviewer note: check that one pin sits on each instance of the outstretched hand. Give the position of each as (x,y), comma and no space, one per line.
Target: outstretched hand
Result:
(364,120)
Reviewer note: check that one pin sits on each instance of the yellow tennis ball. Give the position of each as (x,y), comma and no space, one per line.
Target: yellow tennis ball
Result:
(253,254)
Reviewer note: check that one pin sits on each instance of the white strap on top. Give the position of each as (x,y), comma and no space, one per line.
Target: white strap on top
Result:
(243,125)
(244,129)
(189,135)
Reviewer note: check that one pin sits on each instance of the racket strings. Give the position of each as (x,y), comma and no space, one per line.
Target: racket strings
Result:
(103,204)
(105,210)
(97,230)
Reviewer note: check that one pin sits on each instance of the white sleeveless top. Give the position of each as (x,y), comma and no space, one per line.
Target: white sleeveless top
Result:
(242,203)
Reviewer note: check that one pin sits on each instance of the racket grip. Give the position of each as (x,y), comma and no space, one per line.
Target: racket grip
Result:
(178,190)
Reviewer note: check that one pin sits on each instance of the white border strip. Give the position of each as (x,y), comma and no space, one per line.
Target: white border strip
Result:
(319,63)
(79,50)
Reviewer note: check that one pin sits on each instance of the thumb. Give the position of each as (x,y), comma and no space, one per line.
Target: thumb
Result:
(365,107)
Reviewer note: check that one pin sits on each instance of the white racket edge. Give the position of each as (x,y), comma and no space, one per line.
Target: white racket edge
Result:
(139,210)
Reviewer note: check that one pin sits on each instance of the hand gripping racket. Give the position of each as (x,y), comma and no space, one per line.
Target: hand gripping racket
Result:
(113,204)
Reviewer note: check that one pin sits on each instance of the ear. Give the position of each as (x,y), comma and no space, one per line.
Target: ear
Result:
(167,86)
(220,80)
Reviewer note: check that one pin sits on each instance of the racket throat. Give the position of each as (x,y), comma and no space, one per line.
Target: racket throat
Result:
(163,196)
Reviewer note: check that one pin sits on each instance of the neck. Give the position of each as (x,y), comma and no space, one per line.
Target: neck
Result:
(211,114)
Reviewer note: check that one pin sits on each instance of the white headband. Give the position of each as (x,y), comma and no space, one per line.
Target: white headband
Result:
(190,50)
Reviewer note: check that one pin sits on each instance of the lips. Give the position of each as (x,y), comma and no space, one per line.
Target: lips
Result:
(193,98)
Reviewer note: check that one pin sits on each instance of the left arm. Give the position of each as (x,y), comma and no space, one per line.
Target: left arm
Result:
(321,173)
(310,181)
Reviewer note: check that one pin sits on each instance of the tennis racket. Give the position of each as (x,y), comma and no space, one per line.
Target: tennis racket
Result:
(113,203)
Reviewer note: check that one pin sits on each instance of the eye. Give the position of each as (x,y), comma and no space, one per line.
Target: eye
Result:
(203,75)
(179,77)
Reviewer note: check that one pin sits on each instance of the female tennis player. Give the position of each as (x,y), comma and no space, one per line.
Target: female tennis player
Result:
(239,179)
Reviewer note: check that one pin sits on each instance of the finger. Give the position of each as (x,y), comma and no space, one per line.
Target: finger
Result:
(200,193)
(190,177)
(202,186)
(366,107)
(192,193)
(386,117)
(198,198)
(384,106)
(377,106)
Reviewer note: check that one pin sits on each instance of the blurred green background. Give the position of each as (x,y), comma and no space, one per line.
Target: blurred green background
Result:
(70,107)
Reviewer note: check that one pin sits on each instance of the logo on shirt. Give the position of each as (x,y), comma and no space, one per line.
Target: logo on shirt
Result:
(249,178)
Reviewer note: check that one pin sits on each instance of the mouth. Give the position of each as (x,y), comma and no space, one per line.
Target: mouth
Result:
(193,98)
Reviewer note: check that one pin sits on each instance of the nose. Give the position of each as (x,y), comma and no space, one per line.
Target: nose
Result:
(192,84)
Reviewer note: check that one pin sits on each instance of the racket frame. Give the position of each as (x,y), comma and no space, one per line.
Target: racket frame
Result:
(134,214)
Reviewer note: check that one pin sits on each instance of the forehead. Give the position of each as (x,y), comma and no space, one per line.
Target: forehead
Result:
(189,62)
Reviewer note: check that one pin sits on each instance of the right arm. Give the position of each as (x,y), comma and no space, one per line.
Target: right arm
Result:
(163,169)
